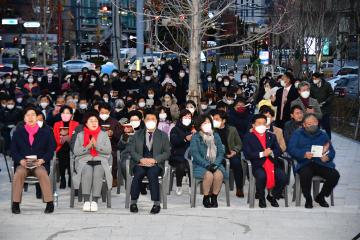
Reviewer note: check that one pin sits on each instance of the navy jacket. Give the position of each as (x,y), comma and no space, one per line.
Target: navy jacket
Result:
(252,148)
(43,146)
(301,142)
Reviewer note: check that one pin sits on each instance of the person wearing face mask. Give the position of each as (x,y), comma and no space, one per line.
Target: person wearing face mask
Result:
(44,104)
(232,143)
(31,88)
(322,91)
(149,149)
(150,99)
(118,81)
(7,85)
(262,149)
(308,104)
(229,98)
(207,153)
(165,122)
(180,137)
(134,82)
(114,131)
(50,83)
(149,83)
(191,107)
(82,108)
(9,116)
(204,106)
(169,101)
(269,113)
(283,99)
(63,131)
(105,84)
(182,85)
(308,165)
(239,117)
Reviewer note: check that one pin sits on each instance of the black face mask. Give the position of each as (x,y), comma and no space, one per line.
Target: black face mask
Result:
(312,129)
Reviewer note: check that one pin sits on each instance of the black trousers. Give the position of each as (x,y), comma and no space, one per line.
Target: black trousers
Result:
(280,181)
(64,159)
(181,168)
(306,173)
(235,165)
(325,124)
(152,173)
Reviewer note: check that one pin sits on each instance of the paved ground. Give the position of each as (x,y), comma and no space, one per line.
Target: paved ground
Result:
(179,221)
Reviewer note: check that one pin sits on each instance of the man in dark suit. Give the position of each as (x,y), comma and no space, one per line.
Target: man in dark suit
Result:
(262,149)
(149,149)
(50,84)
(283,98)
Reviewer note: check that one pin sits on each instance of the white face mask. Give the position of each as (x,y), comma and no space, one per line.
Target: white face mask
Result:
(122,79)
(44,104)
(106,99)
(19,100)
(204,106)
(260,129)
(147,78)
(316,81)
(105,79)
(80,79)
(229,102)
(209,79)
(226,83)
(135,124)
(26,75)
(206,128)
(296,84)
(305,94)
(217,124)
(30,80)
(49,75)
(93,79)
(40,123)
(186,121)
(282,83)
(219,79)
(151,96)
(141,104)
(191,109)
(244,80)
(155,74)
(82,106)
(104,117)
(8,80)
(150,125)
(162,116)
(10,106)
(182,74)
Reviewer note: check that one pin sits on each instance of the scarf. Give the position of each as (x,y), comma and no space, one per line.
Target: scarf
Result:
(88,134)
(31,131)
(268,165)
(211,147)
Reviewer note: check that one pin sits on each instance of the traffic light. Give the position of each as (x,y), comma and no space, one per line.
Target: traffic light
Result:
(15,40)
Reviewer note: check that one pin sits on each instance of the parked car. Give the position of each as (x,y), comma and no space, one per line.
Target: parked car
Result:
(74,66)
(348,70)
(334,81)
(92,54)
(38,71)
(146,61)
(347,87)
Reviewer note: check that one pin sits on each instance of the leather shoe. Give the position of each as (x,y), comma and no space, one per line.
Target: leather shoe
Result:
(272,201)
(155,209)
(49,207)
(206,201)
(309,203)
(321,201)
(134,208)
(239,193)
(15,208)
(262,203)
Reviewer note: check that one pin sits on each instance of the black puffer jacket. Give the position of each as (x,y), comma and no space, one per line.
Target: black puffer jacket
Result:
(178,142)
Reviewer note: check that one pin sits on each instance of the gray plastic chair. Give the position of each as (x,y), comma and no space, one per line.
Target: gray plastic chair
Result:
(197,181)
(316,180)
(163,181)
(32,180)
(231,175)
(120,177)
(105,192)
(252,189)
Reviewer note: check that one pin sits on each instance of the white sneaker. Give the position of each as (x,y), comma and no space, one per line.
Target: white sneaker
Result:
(94,207)
(87,207)
(178,191)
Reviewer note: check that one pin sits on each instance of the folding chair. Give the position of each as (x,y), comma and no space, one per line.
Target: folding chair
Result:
(105,192)
(3,152)
(197,181)
(163,181)
(231,175)
(251,192)
(32,180)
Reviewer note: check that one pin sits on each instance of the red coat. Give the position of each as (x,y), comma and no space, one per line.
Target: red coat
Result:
(60,124)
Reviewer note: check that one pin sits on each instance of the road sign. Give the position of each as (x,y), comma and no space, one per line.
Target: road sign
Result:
(31,24)
(264,57)
(9,21)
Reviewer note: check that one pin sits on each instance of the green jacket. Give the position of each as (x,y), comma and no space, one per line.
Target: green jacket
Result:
(324,95)
(233,139)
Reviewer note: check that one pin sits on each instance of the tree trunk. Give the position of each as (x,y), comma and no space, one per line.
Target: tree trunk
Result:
(195,50)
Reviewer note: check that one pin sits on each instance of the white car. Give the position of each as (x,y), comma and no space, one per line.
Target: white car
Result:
(338,79)
(146,61)
(92,54)
(74,66)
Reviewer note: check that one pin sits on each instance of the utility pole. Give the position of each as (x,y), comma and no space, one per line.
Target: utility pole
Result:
(139,32)
(78,26)
(60,49)
(116,34)
(45,33)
